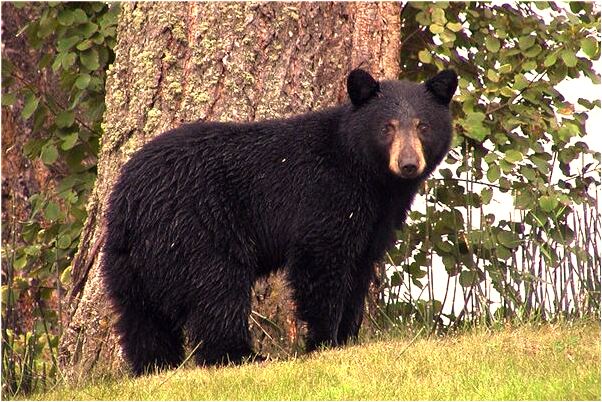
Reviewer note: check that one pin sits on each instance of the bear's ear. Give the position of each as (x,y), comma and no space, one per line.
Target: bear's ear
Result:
(443,86)
(361,86)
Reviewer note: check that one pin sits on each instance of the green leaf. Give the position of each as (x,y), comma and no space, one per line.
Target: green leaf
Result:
(89,59)
(79,16)
(20,262)
(520,82)
(71,197)
(513,156)
(438,16)
(505,68)
(508,239)
(550,60)
(523,199)
(533,51)
(32,148)
(492,75)
(65,17)
(569,58)
(45,60)
(548,203)
(506,166)
(46,26)
(58,61)
(589,46)
(82,81)
(112,16)
(444,246)
(493,173)
(30,106)
(468,278)
(474,126)
(66,275)
(98,38)
(52,211)
(67,43)
(97,6)
(454,26)
(528,173)
(69,141)
(507,92)
(425,56)
(64,241)
(564,134)
(492,44)
(593,76)
(65,119)
(490,157)
(88,29)
(7,68)
(84,45)
(529,65)
(541,164)
(447,36)
(525,42)
(486,195)
(449,261)
(396,279)
(68,60)
(436,28)
(477,131)
(49,154)
(8,99)
(475,117)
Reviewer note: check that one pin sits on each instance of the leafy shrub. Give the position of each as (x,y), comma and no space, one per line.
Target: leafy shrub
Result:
(518,143)
(76,42)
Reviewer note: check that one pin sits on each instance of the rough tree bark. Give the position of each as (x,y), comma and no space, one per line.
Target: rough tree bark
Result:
(178,62)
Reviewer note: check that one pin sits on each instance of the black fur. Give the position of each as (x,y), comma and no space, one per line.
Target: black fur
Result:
(202,211)
(443,86)
(361,87)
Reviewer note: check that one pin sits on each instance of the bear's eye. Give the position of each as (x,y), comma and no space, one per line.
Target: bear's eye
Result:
(422,127)
(387,129)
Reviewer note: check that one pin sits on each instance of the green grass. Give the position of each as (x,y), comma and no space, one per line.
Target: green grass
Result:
(529,362)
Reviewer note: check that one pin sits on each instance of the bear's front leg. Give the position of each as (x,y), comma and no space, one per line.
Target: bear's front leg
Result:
(320,286)
(353,311)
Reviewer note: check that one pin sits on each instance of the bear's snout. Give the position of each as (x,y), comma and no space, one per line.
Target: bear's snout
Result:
(409,171)
(406,156)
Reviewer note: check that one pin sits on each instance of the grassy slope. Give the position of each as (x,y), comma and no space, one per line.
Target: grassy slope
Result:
(529,362)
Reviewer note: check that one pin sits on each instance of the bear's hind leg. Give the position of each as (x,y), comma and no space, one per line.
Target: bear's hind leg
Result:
(149,341)
(218,323)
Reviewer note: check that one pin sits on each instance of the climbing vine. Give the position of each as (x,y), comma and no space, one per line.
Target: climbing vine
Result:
(75,42)
(513,215)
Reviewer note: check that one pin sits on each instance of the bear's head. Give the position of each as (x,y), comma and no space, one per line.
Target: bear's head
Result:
(400,128)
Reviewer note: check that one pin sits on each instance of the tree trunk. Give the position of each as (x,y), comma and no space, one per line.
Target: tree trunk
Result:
(178,62)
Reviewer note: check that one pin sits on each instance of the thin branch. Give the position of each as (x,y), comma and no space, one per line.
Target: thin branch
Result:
(32,88)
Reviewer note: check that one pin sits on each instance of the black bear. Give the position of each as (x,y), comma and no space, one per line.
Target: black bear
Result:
(200,212)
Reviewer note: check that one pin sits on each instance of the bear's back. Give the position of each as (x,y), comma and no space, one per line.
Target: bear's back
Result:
(226,174)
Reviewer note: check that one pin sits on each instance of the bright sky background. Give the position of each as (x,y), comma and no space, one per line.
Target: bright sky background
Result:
(574,89)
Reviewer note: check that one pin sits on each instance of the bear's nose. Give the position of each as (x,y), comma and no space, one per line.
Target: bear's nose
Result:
(409,171)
